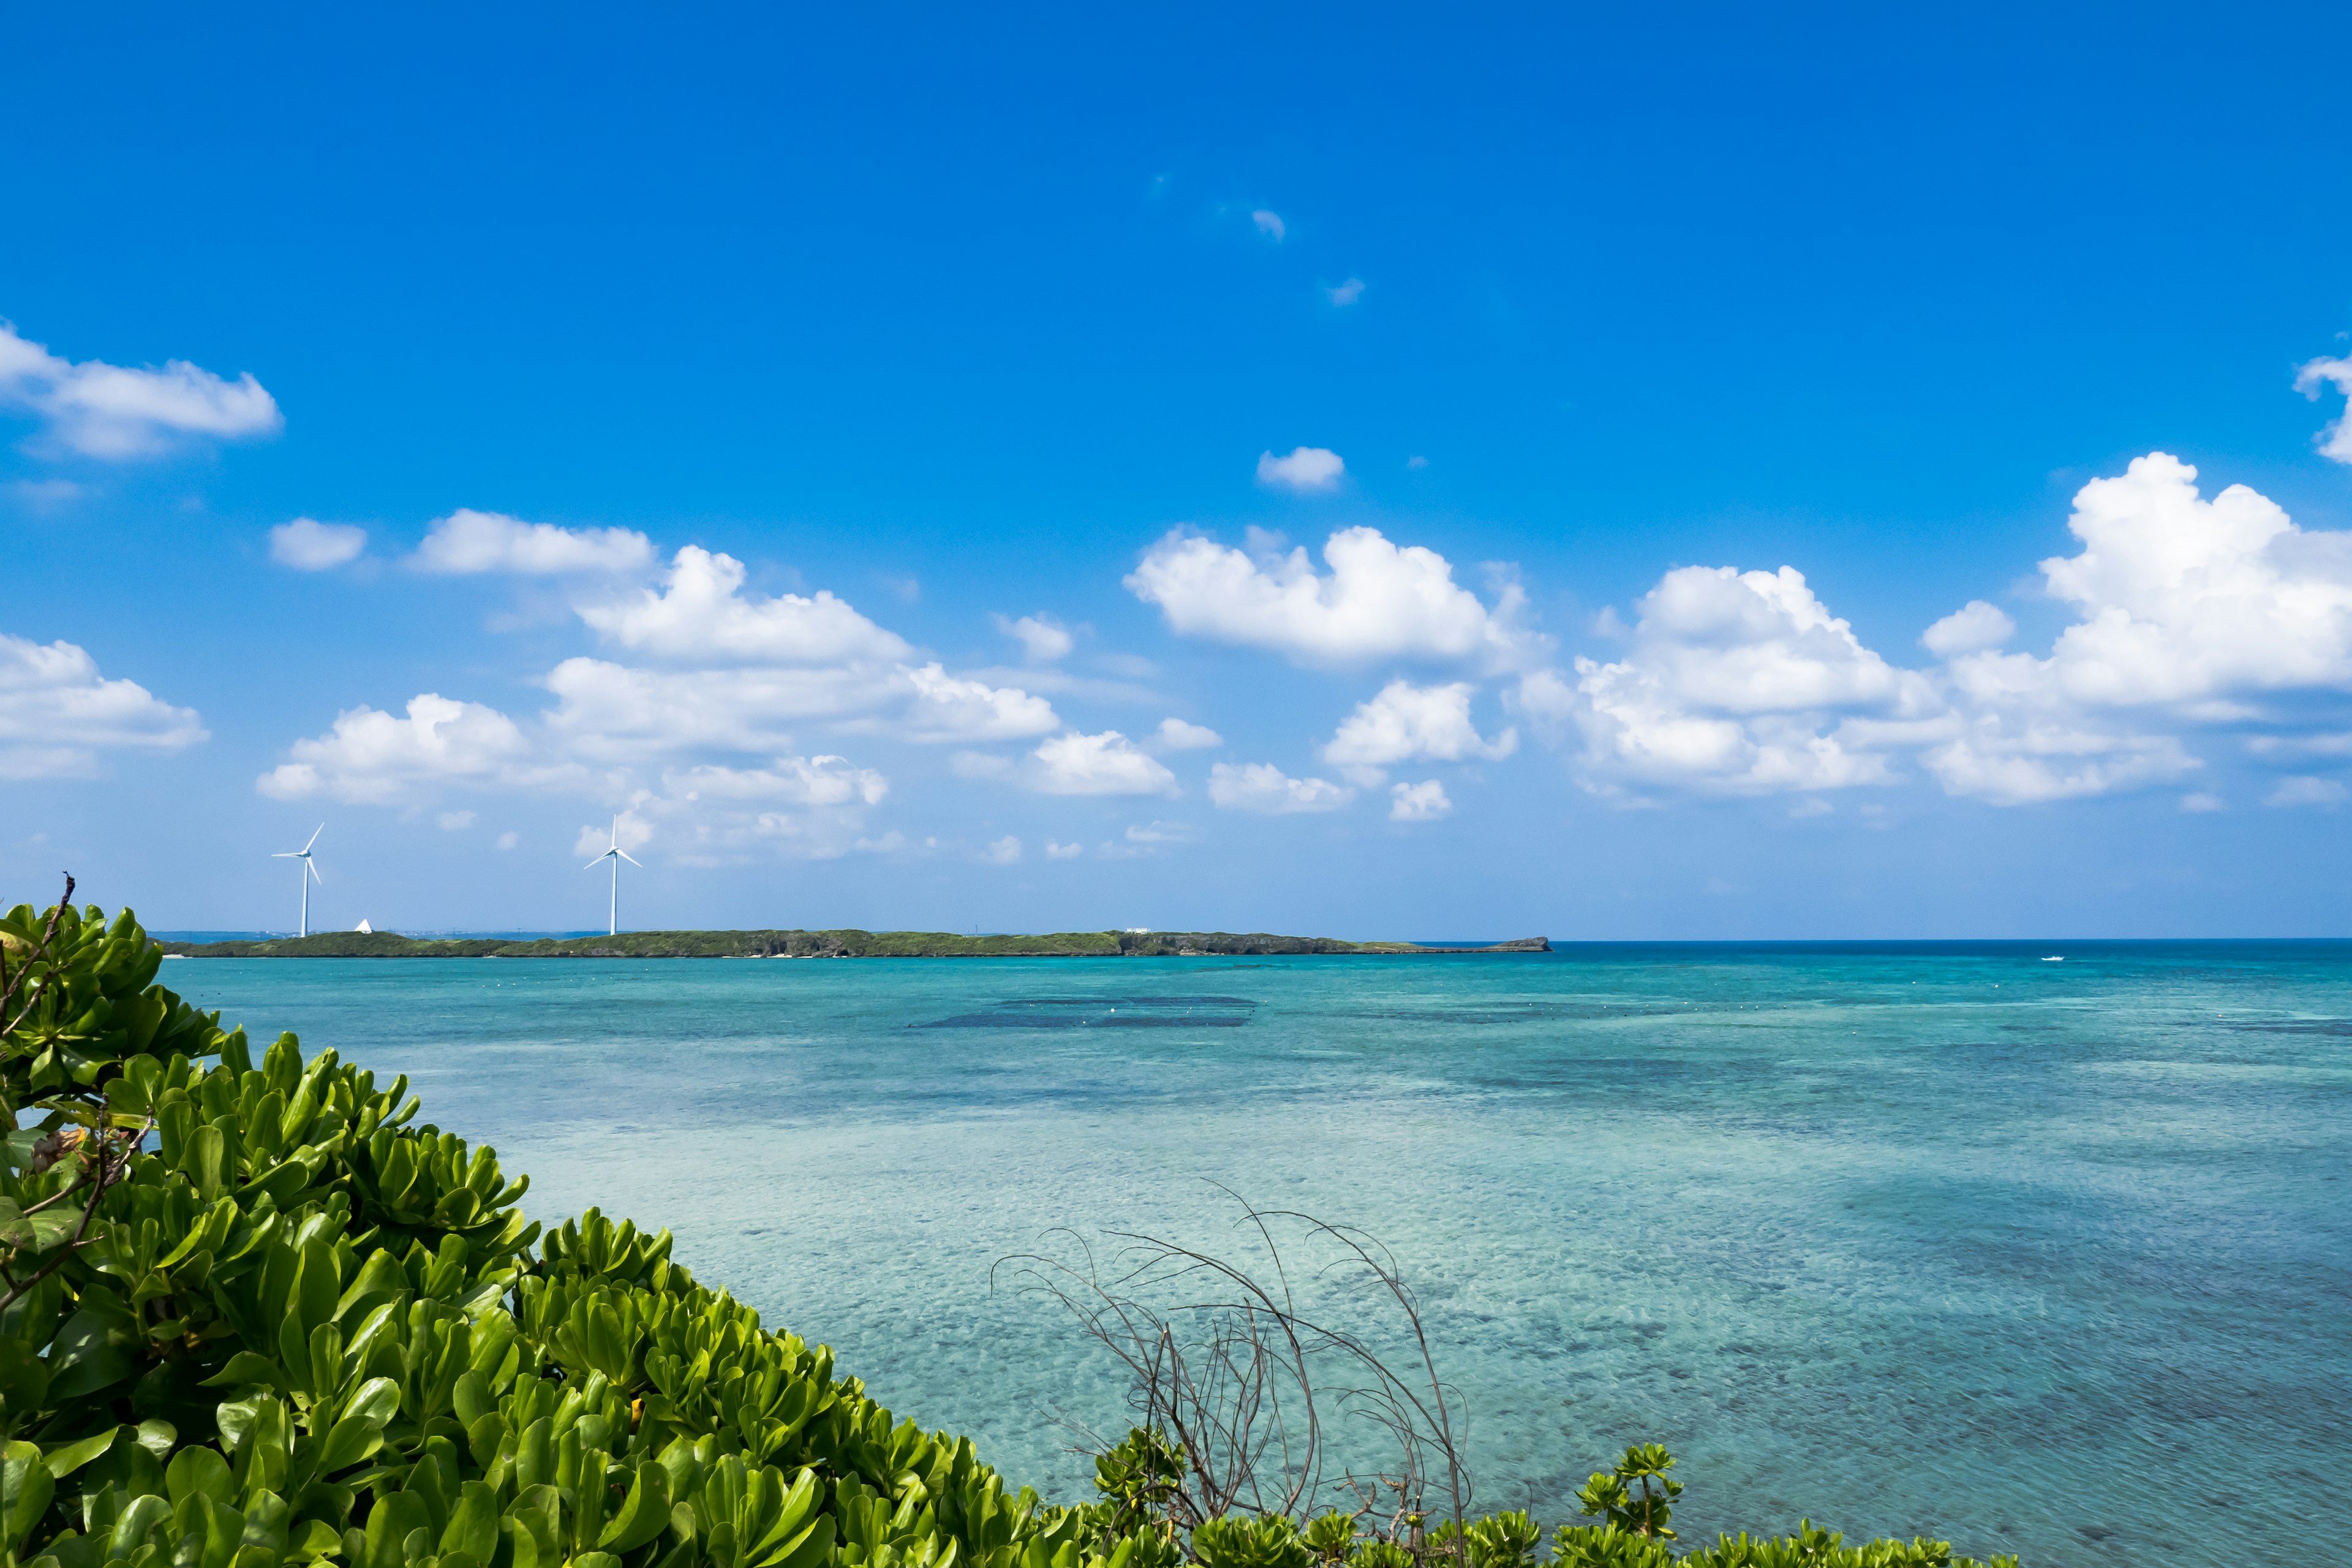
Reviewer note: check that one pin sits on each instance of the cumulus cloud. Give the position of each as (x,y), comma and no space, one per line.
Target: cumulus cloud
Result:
(1107,764)
(101,410)
(2336,441)
(614,713)
(1379,600)
(467,543)
(1974,625)
(610,712)
(1738,683)
(1263,787)
(2190,613)
(2012,758)
(1043,639)
(700,613)
(1005,851)
(797,781)
(1424,802)
(1269,224)
(57,713)
(2186,601)
(309,545)
(1062,851)
(456,821)
(1346,293)
(1411,723)
(948,708)
(1308,469)
(1176,735)
(374,758)
(2307,790)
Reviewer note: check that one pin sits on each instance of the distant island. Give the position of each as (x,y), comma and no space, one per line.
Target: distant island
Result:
(821,945)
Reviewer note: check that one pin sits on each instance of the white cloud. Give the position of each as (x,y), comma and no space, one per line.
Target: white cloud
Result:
(2203,802)
(1062,851)
(1346,293)
(57,713)
(467,542)
(309,545)
(617,712)
(1738,683)
(1973,626)
(1269,224)
(1107,764)
(1176,735)
(798,781)
(101,410)
(1162,833)
(1043,639)
(700,614)
(374,758)
(1263,787)
(2336,441)
(948,708)
(2190,613)
(456,821)
(1005,851)
(2184,600)
(608,713)
(2009,760)
(1308,469)
(2305,790)
(1424,802)
(1378,602)
(509,840)
(1405,723)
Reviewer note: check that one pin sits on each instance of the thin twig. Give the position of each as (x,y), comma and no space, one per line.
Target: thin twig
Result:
(81,1231)
(24,969)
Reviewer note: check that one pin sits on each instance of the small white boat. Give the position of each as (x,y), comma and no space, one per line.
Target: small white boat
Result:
(2055,959)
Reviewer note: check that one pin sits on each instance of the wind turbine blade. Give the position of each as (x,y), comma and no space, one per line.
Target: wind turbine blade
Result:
(287,854)
(596,862)
(630,858)
(314,838)
(314,870)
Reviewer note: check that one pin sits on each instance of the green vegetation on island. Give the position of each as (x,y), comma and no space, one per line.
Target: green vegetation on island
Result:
(817,944)
(257,1315)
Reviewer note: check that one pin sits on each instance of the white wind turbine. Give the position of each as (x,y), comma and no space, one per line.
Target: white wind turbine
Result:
(310,870)
(615,855)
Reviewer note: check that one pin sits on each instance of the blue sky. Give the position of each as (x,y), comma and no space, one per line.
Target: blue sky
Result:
(1358,471)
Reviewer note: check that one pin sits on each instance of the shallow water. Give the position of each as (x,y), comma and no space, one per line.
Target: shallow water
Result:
(2053,1258)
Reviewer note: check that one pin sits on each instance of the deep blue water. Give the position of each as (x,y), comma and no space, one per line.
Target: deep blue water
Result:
(2053,1258)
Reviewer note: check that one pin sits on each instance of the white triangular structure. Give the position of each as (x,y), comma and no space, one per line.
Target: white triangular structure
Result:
(364,928)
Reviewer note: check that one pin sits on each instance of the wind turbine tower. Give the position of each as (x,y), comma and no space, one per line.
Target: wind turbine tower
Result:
(309,872)
(615,855)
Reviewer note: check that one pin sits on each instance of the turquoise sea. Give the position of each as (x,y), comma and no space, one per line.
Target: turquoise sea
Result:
(2045,1257)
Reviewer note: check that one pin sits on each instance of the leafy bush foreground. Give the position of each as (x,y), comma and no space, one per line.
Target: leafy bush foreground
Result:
(255,1314)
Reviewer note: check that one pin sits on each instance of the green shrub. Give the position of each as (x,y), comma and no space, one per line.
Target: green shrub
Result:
(257,1315)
